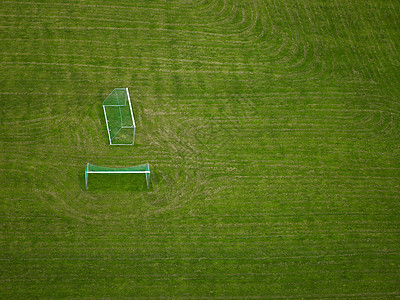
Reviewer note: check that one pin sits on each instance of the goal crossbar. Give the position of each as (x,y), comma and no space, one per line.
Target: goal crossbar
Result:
(119,172)
(141,169)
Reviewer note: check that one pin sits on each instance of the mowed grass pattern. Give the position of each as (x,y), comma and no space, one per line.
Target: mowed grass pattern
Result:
(273,133)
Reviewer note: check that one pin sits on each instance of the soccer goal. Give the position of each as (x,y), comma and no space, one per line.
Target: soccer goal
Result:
(121,127)
(141,169)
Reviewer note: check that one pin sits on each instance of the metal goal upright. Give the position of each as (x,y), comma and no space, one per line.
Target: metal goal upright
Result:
(119,117)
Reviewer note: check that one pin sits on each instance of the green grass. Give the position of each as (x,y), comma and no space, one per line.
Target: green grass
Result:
(273,133)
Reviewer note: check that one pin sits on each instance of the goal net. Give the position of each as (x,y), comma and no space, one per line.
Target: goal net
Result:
(141,169)
(119,117)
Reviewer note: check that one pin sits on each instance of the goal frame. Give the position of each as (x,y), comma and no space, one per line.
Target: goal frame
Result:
(146,172)
(129,127)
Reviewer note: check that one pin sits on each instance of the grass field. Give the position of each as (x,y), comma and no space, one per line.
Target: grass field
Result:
(273,133)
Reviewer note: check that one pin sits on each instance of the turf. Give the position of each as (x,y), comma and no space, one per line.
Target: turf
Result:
(273,133)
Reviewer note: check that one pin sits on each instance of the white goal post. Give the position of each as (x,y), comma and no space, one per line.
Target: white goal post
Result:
(119,117)
(141,169)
